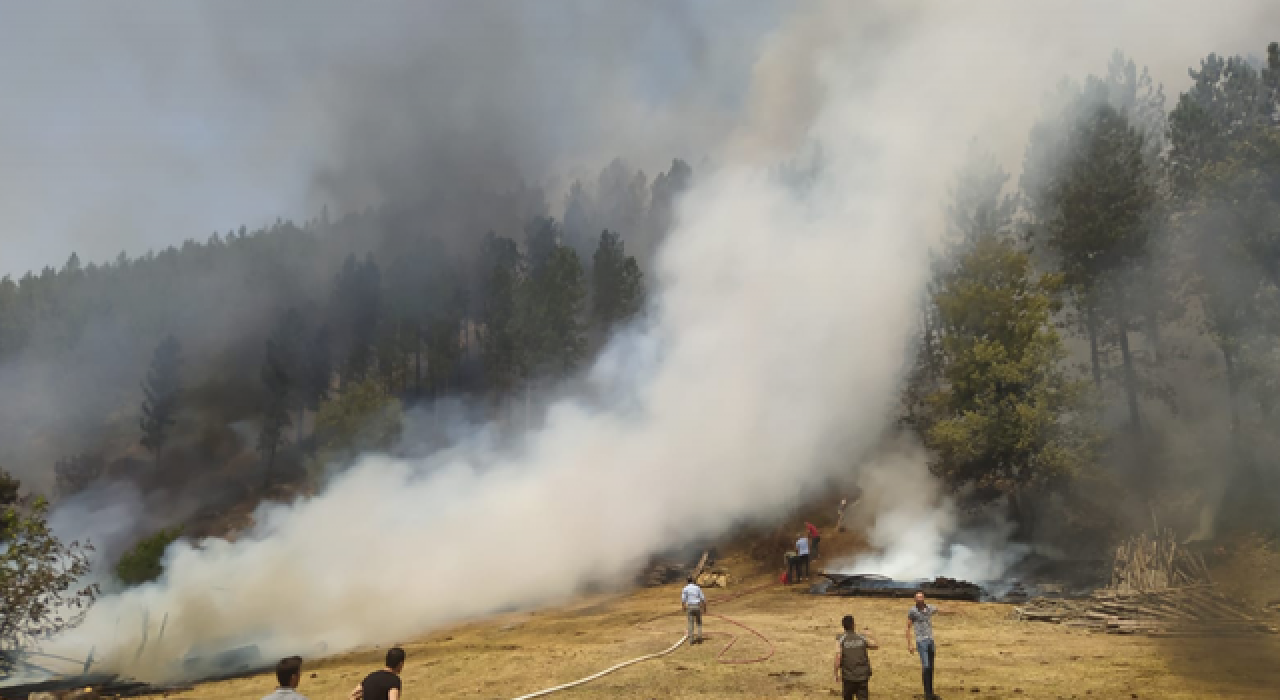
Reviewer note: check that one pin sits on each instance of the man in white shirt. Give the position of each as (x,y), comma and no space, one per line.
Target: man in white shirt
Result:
(694,605)
(802,557)
(288,675)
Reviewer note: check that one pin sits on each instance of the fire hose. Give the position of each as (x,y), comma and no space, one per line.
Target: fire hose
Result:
(733,639)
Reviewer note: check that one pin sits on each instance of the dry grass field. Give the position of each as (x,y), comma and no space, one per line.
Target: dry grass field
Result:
(982,654)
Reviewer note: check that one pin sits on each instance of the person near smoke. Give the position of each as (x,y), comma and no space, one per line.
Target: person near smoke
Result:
(383,684)
(288,675)
(853,666)
(814,538)
(802,557)
(694,604)
(920,621)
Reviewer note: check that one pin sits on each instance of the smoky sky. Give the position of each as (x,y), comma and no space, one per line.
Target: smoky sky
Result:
(128,126)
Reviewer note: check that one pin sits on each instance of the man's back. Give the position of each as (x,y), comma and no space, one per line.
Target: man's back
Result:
(692,595)
(379,684)
(855,665)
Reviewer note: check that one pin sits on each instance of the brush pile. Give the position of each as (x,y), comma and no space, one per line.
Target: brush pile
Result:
(1157,589)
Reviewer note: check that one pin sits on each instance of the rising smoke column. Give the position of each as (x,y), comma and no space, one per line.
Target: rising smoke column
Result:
(773,351)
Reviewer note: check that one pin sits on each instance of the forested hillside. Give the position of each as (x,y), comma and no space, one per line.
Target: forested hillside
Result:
(231,365)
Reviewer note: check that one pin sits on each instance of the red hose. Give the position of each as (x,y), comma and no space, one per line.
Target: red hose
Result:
(733,639)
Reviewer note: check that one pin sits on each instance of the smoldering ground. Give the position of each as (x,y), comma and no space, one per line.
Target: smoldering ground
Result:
(773,349)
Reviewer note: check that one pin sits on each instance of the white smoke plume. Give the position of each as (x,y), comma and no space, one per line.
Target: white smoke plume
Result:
(771,355)
(915,529)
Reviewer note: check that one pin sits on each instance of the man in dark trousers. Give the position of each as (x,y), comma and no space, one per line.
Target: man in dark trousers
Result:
(383,684)
(920,621)
(853,666)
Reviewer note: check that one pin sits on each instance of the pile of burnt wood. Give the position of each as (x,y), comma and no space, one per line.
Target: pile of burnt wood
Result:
(880,586)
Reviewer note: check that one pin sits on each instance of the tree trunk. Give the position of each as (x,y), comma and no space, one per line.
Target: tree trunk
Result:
(1130,376)
(266,474)
(1232,388)
(1153,336)
(417,359)
(1091,323)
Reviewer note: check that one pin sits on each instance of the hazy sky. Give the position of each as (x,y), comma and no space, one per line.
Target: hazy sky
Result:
(127,126)
(130,126)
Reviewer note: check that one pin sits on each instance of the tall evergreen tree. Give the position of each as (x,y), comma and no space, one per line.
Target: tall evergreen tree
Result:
(552,313)
(617,285)
(161,394)
(275,409)
(1102,209)
(501,351)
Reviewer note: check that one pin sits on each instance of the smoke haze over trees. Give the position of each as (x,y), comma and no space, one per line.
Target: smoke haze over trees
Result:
(740,306)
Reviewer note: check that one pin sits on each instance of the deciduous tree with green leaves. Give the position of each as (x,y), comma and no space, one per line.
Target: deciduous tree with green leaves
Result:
(1007,419)
(39,575)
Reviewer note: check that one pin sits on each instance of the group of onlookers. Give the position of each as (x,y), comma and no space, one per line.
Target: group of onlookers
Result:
(383,684)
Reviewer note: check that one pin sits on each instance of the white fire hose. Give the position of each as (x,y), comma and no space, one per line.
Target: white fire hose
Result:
(601,674)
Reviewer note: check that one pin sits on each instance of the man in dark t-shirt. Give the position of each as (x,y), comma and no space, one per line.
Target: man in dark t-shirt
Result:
(383,684)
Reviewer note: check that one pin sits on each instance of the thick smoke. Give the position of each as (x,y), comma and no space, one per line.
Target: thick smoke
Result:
(771,355)
(916,531)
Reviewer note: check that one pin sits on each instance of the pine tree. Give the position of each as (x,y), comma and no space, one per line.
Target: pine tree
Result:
(617,285)
(275,409)
(1102,215)
(162,391)
(551,313)
(501,352)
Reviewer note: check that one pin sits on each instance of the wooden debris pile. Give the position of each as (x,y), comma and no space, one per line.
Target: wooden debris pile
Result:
(1155,563)
(713,578)
(1187,611)
(662,573)
(1158,589)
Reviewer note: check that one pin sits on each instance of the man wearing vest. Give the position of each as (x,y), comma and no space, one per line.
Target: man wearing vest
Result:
(853,666)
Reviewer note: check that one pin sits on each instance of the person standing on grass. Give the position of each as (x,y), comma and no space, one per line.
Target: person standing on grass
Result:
(920,621)
(288,675)
(694,604)
(814,538)
(383,684)
(802,557)
(853,666)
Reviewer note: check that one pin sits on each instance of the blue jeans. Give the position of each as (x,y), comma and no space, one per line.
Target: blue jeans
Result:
(926,649)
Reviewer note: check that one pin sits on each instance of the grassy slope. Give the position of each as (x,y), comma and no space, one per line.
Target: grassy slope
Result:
(982,654)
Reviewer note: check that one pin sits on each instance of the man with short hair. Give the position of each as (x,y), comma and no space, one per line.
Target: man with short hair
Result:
(385,683)
(920,620)
(802,557)
(288,675)
(853,666)
(694,604)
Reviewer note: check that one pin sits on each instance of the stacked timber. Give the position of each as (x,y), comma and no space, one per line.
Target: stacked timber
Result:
(1146,563)
(1187,611)
(1158,589)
